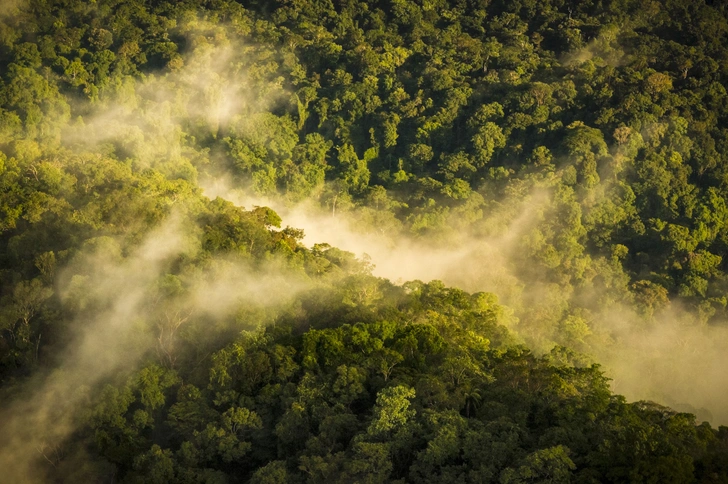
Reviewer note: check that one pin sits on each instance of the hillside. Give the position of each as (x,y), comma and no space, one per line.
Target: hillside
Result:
(490,220)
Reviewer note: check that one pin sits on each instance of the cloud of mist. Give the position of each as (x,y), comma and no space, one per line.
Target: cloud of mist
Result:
(397,257)
(146,120)
(122,320)
(44,413)
(211,90)
(118,321)
(671,359)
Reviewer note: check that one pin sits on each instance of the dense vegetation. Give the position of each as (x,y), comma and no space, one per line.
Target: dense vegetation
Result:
(150,334)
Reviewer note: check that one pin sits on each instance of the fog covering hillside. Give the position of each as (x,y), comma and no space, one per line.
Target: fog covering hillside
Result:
(397,241)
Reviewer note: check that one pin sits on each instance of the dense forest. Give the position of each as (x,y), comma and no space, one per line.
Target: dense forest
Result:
(556,170)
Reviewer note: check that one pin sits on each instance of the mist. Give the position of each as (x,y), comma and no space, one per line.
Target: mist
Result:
(671,359)
(121,321)
(44,416)
(653,361)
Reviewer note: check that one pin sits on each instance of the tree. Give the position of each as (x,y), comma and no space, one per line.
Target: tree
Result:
(392,411)
(21,307)
(546,465)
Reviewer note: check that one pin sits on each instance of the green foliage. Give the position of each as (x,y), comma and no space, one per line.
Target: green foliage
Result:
(587,137)
(503,415)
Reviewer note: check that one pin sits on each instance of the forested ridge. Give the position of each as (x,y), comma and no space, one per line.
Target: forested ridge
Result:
(576,153)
